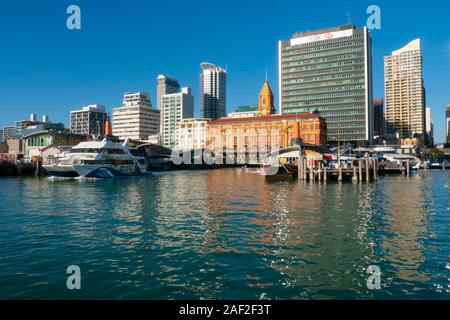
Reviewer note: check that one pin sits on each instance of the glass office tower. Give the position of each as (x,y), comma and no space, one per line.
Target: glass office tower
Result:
(330,71)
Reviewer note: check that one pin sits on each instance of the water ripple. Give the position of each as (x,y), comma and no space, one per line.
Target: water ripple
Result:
(225,234)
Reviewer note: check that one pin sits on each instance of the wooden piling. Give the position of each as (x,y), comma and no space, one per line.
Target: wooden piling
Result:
(360,170)
(305,169)
(375,169)
(367,170)
(407,167)
(355,175)
(38,168)
(299,168)
(20,167)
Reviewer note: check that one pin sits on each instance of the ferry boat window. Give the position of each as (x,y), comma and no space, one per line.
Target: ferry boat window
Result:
(88,150)
(113,162)
(114,151)
(103,151)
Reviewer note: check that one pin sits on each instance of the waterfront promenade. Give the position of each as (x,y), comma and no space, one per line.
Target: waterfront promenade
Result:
(225,234)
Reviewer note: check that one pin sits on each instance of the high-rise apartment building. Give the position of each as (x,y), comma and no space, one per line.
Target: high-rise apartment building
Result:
(175,107)
(404,92)
(213,91)
(89,120)
(330,71)
(166,85)
(7,133)
(136,119)
(447,123)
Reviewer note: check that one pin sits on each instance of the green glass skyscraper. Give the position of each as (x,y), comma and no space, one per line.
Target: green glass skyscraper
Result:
(330,71)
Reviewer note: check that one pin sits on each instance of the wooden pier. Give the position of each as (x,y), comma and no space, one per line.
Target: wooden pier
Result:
(22,168)
(362,170)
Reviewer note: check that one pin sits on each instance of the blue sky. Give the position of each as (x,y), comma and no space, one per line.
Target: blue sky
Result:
(124,45)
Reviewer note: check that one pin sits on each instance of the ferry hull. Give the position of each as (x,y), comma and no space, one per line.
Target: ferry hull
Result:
(271,170)
(61,171)
(104,172)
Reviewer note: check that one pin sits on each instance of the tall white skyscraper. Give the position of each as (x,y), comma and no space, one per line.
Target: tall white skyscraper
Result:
(404,92)
(136,119)
(213,91)
(175,107)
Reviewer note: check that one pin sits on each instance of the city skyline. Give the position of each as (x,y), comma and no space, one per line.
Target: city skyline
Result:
(60,75)
(215,153)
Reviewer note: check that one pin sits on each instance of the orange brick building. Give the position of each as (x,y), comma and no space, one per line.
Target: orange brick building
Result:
(266,132)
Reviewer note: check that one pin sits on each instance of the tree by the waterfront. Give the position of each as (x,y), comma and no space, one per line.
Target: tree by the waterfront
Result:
(435,153)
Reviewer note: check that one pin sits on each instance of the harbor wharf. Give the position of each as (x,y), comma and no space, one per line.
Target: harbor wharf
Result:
(13,167)
(361,170)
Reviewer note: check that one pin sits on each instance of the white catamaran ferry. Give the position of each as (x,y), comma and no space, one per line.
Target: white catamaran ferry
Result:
(391,155)
(98,159)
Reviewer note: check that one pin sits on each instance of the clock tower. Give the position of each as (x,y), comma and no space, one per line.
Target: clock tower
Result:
(265,106)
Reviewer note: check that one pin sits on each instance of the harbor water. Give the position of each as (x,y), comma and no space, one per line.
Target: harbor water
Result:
(225,234)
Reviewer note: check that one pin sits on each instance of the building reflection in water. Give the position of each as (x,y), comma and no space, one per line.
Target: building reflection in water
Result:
(405,224)
(307,233)
(232,234)
(316,238)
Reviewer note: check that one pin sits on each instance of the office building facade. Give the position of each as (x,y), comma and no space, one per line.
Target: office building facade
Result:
(264,133)
(166,85)
(378,118)
(192,134)
(89,120)
(175,107)
(330,71)
(136,119)
(404,93)
(213,91)
(7,133)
